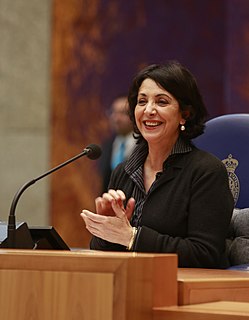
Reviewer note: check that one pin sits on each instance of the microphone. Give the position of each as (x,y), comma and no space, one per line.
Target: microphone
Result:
(92,151)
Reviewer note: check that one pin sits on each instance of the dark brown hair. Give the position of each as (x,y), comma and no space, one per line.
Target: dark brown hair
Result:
(178,81)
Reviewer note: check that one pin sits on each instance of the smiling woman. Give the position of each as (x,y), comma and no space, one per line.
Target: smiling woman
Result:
(169,196)
(158,117)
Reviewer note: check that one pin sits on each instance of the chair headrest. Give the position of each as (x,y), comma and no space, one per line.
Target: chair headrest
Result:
(227,138)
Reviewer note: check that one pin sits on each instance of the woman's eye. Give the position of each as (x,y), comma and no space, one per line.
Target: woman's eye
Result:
(163,102)
(141,102)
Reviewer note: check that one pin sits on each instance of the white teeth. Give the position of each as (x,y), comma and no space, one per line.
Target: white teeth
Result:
(152,124)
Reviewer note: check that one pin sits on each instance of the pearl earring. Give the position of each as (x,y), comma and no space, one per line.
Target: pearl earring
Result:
(182,127)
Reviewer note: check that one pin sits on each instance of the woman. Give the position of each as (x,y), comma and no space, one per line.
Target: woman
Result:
(169,196)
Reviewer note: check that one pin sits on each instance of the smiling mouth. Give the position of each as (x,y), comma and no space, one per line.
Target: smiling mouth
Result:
(152,124)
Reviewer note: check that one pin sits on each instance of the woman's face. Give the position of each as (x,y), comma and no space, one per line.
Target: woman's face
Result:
(157,114)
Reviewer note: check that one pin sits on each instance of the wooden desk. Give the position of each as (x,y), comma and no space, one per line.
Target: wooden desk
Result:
(220,310)
(209,295)
(85,285)
(207,285)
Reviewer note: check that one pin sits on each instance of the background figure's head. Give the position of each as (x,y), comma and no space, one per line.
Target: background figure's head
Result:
(179,81)
(119,116)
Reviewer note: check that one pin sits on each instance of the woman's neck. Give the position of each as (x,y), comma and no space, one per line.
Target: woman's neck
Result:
(157,155)
(154,164)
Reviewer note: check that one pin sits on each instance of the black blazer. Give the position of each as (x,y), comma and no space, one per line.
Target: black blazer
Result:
(188,212)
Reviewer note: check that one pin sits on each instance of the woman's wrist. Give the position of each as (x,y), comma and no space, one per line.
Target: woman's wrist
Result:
(132,239)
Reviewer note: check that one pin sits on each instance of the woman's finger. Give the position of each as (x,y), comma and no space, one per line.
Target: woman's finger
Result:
(118,208)
(97,218)
(98,205)
(121,194)
(130,208)
(107,196)
(117,194)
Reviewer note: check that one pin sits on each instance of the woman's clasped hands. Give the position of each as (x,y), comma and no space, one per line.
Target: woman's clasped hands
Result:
(111,220)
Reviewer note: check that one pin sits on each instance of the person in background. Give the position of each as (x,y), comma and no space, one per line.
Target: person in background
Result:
(120,145)
(169,196)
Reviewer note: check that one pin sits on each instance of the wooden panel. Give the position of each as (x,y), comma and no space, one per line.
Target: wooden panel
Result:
(222,310)
(61,295)
(95,284)
(205,285)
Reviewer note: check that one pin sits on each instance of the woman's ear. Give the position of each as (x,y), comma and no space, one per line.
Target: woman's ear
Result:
(187,114)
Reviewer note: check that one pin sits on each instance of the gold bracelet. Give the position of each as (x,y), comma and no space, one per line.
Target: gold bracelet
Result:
(134,233)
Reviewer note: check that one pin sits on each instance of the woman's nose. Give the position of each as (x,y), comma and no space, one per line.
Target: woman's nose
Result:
(150,108)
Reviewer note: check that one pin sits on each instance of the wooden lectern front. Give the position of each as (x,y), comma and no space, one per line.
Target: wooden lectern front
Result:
(85,285)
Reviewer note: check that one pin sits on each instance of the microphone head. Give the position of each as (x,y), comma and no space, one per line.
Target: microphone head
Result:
(93,151)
